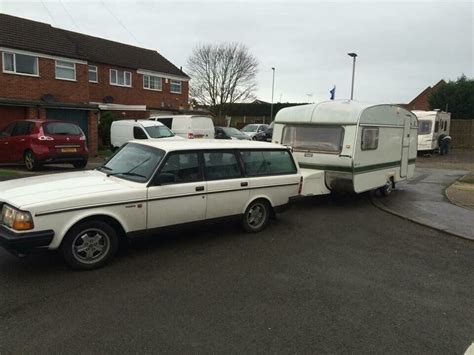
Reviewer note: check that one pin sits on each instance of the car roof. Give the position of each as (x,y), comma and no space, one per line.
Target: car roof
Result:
(191,144)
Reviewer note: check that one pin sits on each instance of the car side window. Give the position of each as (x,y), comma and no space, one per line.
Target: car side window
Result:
(221,165)
(7,132)
(268,162)
(21,128)
(138,133)
(180,168)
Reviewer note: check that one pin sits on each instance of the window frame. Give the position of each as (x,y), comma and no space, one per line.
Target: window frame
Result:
(117,71)
(237,156)
(364,129)
(180,86)
(96,71)
(149,82)
(56,66)
(14,64)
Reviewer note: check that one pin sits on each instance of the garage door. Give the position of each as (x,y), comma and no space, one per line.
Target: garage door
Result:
(79,117)
(9,114)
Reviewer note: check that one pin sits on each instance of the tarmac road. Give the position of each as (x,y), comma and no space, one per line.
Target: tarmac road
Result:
(332,275)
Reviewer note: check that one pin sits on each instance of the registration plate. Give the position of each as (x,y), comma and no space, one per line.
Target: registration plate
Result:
(68,150)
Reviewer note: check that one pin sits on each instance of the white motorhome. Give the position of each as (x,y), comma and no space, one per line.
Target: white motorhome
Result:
(188,126)
(349,146)
(432,125)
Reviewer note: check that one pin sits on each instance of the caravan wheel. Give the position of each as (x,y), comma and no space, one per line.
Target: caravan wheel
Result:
(387,189)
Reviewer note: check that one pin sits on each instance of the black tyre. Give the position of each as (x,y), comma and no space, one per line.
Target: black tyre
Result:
(89,245)
(256,216)
(30,160)
(386,189)
(80,164)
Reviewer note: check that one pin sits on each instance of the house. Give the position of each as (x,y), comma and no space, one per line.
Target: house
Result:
(51,73)
(420,102)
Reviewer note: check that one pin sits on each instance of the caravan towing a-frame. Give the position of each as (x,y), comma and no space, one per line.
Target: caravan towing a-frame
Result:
(349,146)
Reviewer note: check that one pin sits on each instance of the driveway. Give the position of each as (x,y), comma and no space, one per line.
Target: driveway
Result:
(332,275)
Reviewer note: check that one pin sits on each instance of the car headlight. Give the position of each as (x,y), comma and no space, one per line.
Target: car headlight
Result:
(16,219)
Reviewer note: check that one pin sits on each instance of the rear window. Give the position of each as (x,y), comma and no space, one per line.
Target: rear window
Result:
(268,162)
(321,139)
(62,128)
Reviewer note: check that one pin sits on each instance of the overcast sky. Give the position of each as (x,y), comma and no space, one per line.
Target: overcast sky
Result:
(402,46)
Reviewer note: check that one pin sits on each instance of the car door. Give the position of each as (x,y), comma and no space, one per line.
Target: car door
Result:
(6,144)
(20,140)
(227,187)
(177,193)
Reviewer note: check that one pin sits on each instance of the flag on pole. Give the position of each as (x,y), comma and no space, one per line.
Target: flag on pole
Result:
(333,93)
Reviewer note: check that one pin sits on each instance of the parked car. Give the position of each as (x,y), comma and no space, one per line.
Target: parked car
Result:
(188,126)
(124,131)
(230,133)
(37,142)
(253,129)
(144,187)
(266,135)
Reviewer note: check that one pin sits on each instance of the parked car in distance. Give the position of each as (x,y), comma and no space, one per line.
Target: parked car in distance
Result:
(188,126)
(266,135)
(37,142)
(230,133)
(123,131)
(253,129)
(144,187)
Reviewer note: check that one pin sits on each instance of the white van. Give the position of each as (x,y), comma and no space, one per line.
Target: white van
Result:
(432,126)
(144,187)
(188,126)
(124,131)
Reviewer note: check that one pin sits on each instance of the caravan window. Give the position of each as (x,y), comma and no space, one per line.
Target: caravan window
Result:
(424,127)
(436,126)
(370,138)
(321,139)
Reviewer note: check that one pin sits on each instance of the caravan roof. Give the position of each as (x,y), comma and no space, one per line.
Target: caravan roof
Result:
(344,112)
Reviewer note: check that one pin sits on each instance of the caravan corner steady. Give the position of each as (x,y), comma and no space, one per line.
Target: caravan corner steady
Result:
(349,146)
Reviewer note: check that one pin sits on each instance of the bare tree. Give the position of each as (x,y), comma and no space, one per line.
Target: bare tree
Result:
(223,73)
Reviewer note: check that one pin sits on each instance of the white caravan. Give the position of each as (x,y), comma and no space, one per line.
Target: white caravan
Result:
(188,126)
(349,146)
(431,126)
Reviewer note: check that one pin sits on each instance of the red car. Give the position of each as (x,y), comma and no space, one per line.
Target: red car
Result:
(37,142)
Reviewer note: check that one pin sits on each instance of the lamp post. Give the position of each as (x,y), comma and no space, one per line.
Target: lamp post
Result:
(273,88)
(353,55)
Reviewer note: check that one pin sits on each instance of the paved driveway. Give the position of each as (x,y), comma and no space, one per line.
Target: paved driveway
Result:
(331,275)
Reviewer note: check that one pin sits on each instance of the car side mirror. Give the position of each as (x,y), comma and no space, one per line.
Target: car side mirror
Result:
(164,178)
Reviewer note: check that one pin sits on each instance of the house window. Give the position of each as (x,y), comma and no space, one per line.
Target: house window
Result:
(370,138)
(151,82)
(93,75)
(20,64)
(175,86)
(65,70)
(120,78)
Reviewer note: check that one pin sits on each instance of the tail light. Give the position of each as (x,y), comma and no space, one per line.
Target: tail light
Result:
(190,135)
(300,188)
(82,138)
(44,137)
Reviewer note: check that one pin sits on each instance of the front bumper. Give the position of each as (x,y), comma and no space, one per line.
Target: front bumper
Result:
(23,242)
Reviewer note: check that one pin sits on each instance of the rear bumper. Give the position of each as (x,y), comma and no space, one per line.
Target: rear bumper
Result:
(63,158)
(24,242)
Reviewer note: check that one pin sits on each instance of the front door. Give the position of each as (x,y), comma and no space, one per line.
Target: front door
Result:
(178,192)
(405,148)
(6,145)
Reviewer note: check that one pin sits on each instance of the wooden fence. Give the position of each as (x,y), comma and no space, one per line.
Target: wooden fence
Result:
(462,132)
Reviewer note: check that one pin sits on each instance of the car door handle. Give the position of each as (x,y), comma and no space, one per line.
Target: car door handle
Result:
(22,140)
(244,184)
(199,188)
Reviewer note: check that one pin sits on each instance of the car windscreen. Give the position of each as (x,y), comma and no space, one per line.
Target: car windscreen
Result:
(159,131)
(62,128)
(134,162)
(322,139)
(250,128)
(424,127)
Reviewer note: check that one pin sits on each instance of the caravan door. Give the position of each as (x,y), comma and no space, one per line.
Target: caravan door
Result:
(405,148)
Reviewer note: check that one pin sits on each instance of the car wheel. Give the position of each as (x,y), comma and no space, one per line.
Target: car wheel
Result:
(30,160)
(80,164)
(89,245)
(256,216)
(254,138)
(386,189)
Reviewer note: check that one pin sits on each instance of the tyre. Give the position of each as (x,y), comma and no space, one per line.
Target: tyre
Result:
(30,160)
(80,164)
(89,245)
(256,216)
(386,189)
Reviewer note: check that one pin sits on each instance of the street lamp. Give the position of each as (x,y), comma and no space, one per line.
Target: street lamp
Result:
(273,88)
(353,55)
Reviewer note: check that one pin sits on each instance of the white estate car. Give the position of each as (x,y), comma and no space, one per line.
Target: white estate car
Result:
(144,186)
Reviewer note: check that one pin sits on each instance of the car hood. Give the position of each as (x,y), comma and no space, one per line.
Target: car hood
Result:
(65,189)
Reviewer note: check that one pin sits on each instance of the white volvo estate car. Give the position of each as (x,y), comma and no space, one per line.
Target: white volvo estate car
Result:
(143,187)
